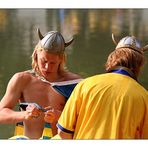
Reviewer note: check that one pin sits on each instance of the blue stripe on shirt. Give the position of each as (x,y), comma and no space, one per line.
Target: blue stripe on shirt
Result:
(121,71)
(64,129)
(124,71)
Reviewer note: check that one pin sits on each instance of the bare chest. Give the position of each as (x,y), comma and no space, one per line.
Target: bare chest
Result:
(44,94)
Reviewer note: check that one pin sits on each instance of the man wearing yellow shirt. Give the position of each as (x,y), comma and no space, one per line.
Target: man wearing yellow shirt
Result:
(112,105)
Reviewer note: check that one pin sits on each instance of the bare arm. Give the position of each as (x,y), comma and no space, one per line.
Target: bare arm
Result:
(64,135)
(10,99)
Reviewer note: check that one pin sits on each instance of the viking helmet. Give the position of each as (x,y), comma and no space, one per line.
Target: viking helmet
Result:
(53,41)
(130,42)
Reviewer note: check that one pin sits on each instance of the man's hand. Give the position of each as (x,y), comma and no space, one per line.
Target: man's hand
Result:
(32,111)
(51,115)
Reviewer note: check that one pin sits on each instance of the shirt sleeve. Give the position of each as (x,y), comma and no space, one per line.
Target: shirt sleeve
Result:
(68,118)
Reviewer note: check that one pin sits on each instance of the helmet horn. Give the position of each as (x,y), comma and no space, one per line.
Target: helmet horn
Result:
(39,34)
(113,38)
(69,42)
(145,48)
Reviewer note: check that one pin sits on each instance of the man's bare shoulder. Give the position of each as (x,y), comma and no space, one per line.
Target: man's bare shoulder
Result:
(23,76)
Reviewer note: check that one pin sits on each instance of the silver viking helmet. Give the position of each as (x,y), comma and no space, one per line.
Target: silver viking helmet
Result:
(53,41)
(130,42)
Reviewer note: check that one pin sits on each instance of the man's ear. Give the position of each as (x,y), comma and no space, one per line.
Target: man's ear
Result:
(35,55)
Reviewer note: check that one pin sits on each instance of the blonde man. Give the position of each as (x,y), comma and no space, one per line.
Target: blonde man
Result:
(49,84)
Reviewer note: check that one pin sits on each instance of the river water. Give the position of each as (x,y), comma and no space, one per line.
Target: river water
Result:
(91,28)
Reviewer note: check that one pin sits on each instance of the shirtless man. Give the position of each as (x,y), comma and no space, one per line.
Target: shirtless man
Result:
(43,85)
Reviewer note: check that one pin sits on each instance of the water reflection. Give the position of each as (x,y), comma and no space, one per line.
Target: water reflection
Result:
(92,29)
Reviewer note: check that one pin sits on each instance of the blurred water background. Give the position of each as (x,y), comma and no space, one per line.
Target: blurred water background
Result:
(91,28)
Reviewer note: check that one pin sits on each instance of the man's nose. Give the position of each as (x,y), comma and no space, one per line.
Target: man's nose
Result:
(46,66)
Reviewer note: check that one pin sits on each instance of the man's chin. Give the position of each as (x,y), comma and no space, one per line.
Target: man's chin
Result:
(46,74)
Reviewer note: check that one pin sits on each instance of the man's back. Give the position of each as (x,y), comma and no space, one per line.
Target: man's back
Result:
(114,107)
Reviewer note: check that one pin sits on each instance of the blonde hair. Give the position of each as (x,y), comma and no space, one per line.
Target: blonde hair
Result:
(62,66)
(125,57)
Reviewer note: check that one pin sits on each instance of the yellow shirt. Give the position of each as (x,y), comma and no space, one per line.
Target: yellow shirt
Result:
(107,106)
